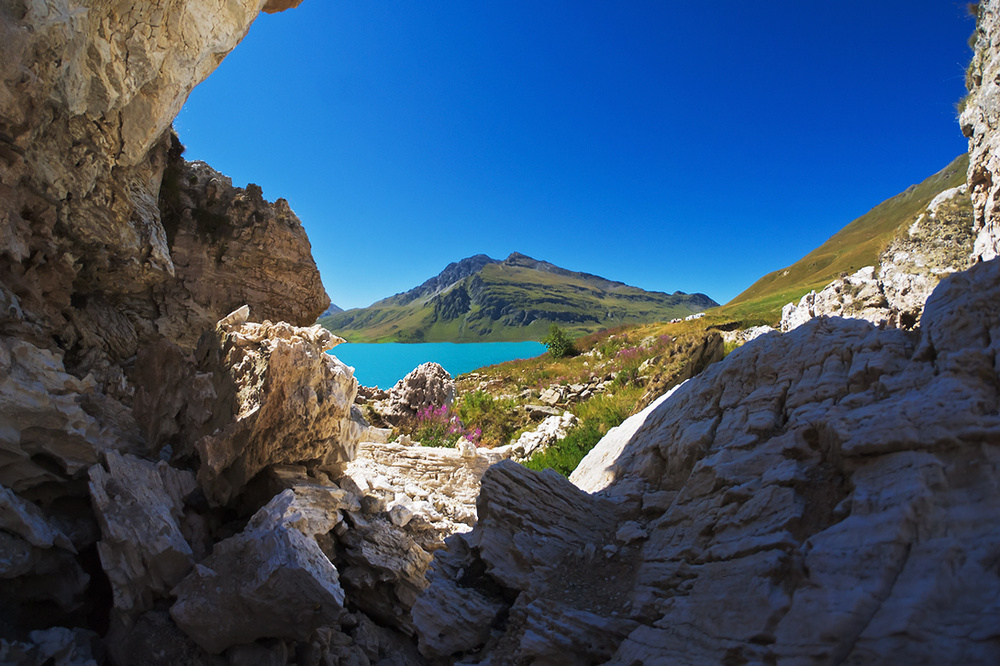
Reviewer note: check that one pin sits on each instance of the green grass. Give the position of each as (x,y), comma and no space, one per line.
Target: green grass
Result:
(597,416)
(620,351)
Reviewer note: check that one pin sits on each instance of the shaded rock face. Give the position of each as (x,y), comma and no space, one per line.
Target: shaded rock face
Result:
(229,247)
(85,103)
(87,95)
(821,496)
(936,243)
(287,399)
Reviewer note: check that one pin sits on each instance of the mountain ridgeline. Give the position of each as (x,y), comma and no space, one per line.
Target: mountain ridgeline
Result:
(481,299)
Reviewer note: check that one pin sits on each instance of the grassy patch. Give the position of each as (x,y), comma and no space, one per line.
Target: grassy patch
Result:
(597,416)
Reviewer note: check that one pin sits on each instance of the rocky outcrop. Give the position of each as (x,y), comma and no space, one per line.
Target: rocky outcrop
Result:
(272,579)
(280,399)
(229,247)
(143,551)
(115,257)
(430,490)
(427,385)
(834,480)
(936,243)
(87,268)
(548,432)
(744,335)
(979,121)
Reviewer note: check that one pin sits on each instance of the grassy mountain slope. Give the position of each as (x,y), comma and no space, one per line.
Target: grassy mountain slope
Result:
(853,247)
(517,299)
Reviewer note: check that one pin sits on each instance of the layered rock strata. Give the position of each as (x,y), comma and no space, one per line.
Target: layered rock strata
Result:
(821,496)
(88,269)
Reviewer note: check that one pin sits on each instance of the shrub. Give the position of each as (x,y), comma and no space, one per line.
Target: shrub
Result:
(597,416)
(558,342)
(495,420)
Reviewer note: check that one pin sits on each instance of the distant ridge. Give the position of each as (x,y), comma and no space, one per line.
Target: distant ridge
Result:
(482,299)
(856,245)
(332,310)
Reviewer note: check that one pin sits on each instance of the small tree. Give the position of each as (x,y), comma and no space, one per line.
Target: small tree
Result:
(558,342)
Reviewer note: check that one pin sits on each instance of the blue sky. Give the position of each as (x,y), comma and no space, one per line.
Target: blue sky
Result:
(672,146)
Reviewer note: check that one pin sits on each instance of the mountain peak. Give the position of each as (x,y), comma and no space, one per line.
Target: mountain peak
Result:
(452,273)
(519,298)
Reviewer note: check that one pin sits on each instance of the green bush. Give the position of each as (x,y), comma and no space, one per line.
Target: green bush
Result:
(558,342)
(496,420)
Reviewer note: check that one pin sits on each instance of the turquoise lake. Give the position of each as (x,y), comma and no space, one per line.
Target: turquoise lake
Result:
(386,363)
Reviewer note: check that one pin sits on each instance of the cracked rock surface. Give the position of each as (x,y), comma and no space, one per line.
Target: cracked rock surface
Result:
(823,496)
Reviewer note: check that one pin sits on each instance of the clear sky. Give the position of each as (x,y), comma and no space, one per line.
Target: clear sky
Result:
(670,145)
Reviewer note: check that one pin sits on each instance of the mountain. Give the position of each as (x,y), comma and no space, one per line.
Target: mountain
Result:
(482,299)
(855,246)
(332,310)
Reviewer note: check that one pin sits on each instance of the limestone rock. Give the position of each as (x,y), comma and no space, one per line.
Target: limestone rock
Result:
(26,520)
(229,247)
(743,336)
(57,645)
(174,399)
(935,244)
(597,469)
(281,399)
(427,385)
(979,121)
(41,408)
(537,536)
(835,480)
(87,95)
(551,514)
(382,569)
(467,625)
(82,127)
(549,431)
(143,551)
(442,484)
(272,579)
(152,639)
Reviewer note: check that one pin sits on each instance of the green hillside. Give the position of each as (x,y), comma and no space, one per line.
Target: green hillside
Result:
(853,247)
(516,299)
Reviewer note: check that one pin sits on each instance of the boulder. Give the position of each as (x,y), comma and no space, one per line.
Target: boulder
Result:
(427,385)
(231,246)
(548,432)
(270,580)
(445,481)
(41,408)
(837,480)
(56,645)
(20,517)
(280,399)
(142,549)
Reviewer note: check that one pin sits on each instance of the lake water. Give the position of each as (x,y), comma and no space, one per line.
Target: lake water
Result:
(386,363)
